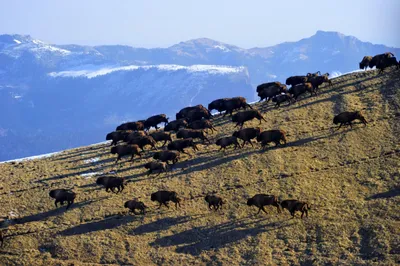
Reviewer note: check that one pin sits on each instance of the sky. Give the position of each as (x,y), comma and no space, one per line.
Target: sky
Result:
(158,23)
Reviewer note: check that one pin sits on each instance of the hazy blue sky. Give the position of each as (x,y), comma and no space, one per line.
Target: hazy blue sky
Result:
(163,23)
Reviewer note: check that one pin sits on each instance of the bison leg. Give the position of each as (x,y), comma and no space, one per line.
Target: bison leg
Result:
(69,204)
(134,211)
(118,158)
(209,206)
(165,142)
(159,206)
(149,172)
(166,204)
(251,143)
(56,203)
(339,126)
(132,157)
(122,187)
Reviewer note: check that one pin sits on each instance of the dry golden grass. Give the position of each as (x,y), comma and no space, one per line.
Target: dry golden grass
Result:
(351,178)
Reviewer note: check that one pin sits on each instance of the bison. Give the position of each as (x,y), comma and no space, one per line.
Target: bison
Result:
(139,125)
(268,92)
(317,81)
(235,103)
(195,115)
(275,136)
(217,105)
(183,113)
(163,196)
(181,144)
(161,136)
(241,117)
(316,74)
(143,141)
(61,195)
(123,150)
(278,99)
(299,89)
(154,166)
(377,58)
(214,201)
(347,117)
(176,125)
(192,133)
(116,136)
(154,120)
(364,64)
(226,141)
(202,124)
(294,80)
(294,205)
(111,182)
(261,200)
(134,135)
(387,62)
(247,134)
(166,156)
(134,205)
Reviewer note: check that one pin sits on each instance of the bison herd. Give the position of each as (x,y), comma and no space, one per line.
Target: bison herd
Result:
(194,122)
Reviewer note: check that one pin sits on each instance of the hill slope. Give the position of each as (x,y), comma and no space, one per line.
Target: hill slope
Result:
(350,177)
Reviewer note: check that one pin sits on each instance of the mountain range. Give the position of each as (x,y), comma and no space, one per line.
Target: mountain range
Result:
(55,97)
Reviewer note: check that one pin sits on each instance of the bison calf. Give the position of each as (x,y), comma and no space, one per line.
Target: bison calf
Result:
(124,150)
(214,201)
(163,197)
(347,117)
(294,205)
(154,166)
(261,200)
(278,99)
(134,205)
(111,182)
(116,136)
(275,136)
(61,195)
(226,141)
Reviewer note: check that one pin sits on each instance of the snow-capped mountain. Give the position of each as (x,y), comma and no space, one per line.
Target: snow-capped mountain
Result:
(55,97)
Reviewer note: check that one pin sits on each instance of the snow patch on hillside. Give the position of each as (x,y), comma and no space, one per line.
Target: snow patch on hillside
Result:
(93,72)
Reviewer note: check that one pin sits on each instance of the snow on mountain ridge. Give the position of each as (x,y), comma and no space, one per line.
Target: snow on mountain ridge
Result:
(91,73)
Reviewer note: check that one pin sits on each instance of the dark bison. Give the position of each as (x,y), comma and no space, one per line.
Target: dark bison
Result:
(202,124)
(261,200)
(235,103)
(294,205)
(299,89)
(61,195)
(214,201)
(156,166)
(131,126)
(347,117)
(116,136)
(162,197)
(387,62)
(365,62)
(263,86)
(166,156)
(217,105)
(154,120)
(143,141)
(183,113)
(278,99)
(176,125)
(134,135)
(247,134)
(111,182)
(319,80)
(294,80)
(192,133)
(123,150)
(267,93)
(275,136)
(134,205)
(161,136)
(377,58)
(226,141)
(241,117)
(195,115)
(181,144)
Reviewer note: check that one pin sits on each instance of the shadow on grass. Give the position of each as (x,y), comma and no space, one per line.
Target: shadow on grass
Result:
(54,212)
(161,224)
(198,239)
(385,195)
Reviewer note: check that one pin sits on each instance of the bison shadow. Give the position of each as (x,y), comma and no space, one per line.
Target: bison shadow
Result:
(161,224)
(54,212)
(385,195)
(203,238)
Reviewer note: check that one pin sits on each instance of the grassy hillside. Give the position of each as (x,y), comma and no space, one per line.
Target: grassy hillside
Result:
(351,178)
